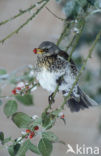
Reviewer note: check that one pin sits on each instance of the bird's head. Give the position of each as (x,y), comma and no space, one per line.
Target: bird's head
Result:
(47,48)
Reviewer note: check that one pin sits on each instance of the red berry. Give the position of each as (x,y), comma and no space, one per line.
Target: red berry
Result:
(62,117)
(14,91)
(28,131)
(18,88)
(31,135)
(36,128)
(35,50)
(26,137)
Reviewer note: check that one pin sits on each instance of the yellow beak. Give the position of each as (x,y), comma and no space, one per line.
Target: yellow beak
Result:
(39,51)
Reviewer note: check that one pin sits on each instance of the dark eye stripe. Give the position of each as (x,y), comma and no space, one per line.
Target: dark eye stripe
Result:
(46,50)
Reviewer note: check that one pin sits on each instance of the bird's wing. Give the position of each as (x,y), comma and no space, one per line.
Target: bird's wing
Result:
(64,55)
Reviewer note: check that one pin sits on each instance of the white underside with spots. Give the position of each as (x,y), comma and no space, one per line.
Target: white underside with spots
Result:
(48,80)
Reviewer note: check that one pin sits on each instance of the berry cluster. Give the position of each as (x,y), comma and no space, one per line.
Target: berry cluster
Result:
(61,115)
(22,88)
(31,134)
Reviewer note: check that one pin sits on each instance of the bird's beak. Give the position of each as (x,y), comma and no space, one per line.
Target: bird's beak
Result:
(38,51)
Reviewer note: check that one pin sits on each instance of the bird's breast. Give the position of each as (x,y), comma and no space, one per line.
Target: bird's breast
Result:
(48,79)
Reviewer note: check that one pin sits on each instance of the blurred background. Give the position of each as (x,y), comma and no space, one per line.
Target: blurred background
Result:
(82,127)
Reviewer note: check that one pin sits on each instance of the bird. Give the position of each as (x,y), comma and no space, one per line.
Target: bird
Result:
(52,68)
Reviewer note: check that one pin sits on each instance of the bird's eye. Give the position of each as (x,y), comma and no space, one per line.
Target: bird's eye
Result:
(46,49)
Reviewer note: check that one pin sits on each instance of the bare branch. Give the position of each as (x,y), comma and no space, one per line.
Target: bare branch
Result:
(21,12)
(62,19)
(77,38)
(26,22)
(66,28)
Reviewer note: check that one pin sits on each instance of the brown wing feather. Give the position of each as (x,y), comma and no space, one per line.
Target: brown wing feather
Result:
(72,64)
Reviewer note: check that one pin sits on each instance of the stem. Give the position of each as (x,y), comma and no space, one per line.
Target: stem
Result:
(6,97)
(21,12)
(82,68)
(62,19)
(27,21)
(66,28)
(77,38)
(70,44)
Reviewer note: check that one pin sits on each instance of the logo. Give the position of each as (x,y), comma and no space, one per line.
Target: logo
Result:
(83,150)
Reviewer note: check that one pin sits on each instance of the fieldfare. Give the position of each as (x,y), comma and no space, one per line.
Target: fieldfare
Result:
(53,68)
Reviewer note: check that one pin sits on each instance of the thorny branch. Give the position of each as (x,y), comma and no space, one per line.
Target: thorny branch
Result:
(21,12)
(65,30)
(76,38)
(25,23)
(62,19)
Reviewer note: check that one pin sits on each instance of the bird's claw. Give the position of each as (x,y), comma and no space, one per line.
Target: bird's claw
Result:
(51,99)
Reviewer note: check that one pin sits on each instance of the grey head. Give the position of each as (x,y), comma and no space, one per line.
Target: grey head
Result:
(49,48)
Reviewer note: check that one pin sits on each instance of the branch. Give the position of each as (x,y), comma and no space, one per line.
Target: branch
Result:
(77,38)
(26,22)
(82,68)
(4,79)
(6,76)
(62,19)
(71,42)
(21,12)
(66,28)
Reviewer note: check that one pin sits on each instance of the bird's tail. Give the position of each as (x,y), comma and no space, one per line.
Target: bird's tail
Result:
(83,103)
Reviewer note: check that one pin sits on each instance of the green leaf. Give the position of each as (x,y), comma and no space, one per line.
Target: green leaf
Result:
(16,148)
(69,7)
(27,99)
(82,3)
(50,136)
(34,148)
(6,140)
(92,1)
(45,147)
(46,119)
(2,71)
(11,150)
(56,112)
(97,4)
(1,136)
(21,119)
(10,108)
(23,149)
(72,9)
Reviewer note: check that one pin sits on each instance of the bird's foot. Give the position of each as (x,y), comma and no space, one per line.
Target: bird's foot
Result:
(51,99)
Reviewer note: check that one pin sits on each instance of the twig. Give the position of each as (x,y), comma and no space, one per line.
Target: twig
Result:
(6,97)
(6,76)
(4,79)
(82,68)
(21,12)
(77,38)
(62,19)
(71,42)
(95,11)
(27,21)
(66,28)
